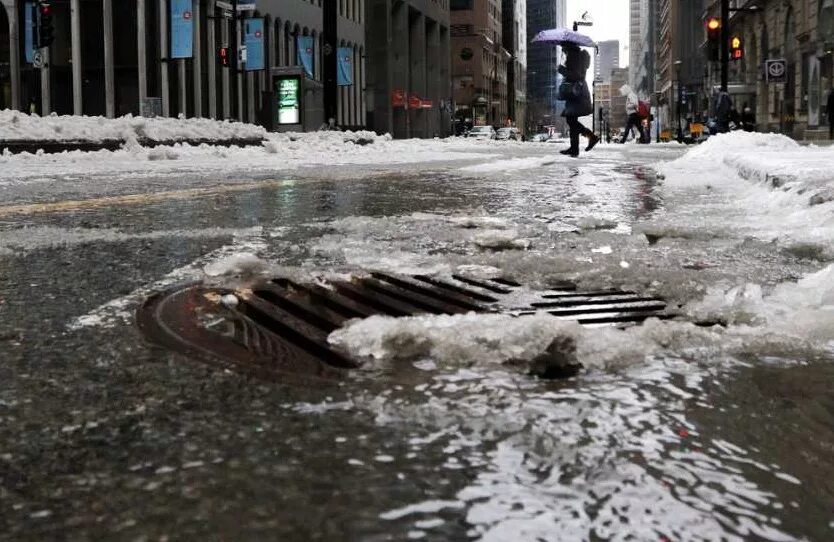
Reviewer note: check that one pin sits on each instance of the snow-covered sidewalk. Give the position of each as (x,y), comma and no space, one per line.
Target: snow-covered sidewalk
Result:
(17,126)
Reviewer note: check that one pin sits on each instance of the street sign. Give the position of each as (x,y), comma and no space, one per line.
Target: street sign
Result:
(37,58)
(776,70)
(249,6)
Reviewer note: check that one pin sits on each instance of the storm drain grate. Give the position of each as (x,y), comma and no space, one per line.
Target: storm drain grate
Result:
(280,326)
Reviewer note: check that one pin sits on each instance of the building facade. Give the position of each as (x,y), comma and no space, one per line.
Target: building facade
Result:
(543,108)
(515,42)
(643,41)
(607,58)
(109,56)
(479,62)
(408,65)
(798,31)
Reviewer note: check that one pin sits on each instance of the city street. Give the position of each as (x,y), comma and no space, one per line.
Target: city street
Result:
(718,424)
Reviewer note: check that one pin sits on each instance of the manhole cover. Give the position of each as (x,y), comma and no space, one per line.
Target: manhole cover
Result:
(278,326)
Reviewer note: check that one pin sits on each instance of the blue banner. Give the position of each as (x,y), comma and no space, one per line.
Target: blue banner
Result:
(305,45)
(182,29)
(253,36)
(28,29)
(345,71)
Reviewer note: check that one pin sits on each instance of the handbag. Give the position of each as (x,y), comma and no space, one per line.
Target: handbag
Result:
(570,90)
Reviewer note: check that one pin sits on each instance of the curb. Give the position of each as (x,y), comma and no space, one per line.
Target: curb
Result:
(53,147)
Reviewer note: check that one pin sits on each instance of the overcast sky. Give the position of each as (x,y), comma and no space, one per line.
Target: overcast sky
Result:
(610,18)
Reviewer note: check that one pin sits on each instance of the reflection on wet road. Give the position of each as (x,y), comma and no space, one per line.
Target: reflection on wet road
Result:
(710,437)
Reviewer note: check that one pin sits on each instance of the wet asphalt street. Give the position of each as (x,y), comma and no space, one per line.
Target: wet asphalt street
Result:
(103,436)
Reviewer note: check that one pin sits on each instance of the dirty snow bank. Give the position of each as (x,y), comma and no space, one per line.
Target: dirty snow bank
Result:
(15,125)
(761,185)
(279,152)
(773,159)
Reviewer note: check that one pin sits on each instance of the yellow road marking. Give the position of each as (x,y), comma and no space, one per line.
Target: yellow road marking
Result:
(133,199)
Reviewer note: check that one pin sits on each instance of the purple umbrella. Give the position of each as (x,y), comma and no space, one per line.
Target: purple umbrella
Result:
(561,36)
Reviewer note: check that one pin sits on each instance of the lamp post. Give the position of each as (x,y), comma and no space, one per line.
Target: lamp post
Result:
(678,64)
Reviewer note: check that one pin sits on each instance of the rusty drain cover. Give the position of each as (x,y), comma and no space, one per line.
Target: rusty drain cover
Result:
(279,327)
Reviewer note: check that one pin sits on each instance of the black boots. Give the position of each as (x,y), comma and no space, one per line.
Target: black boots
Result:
(570,152)
(593,139)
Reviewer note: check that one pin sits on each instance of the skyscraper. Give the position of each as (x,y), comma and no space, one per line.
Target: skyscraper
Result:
(542,61)
(515,42)
(607,58)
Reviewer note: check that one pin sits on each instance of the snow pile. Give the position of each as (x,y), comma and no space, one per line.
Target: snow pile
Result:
(760,185)
(773,159)
(17,126)
(463,339)
(803,309)
(483,339)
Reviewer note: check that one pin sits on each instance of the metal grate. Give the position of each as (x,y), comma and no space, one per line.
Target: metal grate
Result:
(279,326)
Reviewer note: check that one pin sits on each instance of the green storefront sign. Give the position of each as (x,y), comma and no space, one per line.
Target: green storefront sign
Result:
(288,96)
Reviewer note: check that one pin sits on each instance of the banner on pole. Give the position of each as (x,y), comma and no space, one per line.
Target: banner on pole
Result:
(253,31)
(304,46)
(345,71)
(28,31)
(182,29)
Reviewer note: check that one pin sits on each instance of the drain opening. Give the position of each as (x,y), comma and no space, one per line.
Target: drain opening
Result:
(280,326)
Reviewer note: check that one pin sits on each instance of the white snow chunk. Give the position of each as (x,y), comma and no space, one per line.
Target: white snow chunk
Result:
(244,263)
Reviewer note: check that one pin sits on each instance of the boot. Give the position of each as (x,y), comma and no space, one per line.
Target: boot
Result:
(570,152)
(593,139)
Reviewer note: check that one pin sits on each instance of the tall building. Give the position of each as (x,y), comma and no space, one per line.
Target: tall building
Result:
(103,63)
(408,67)
(543,109)
(479,61)
(643,39)
(515,42)
(635,40)
(607,58)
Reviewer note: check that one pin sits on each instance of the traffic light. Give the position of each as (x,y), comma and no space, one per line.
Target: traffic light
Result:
(736,48)
(713,25)
(45,29)
(223,56)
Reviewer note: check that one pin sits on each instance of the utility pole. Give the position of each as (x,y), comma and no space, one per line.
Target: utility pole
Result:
(725,39)
(234,62)
(330,22)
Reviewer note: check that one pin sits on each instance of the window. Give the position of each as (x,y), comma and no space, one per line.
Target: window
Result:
(457,5)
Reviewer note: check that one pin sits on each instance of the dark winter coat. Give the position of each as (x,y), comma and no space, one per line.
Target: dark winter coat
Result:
(574,89)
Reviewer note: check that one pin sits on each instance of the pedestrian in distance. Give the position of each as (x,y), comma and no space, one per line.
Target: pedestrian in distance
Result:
(574,91)
(632,110)
(831,113)
(723,107)
(748,119)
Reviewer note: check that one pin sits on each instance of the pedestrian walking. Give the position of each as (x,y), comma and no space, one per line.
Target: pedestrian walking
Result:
(831,113)
(574,91)
(632,110)
(723,111)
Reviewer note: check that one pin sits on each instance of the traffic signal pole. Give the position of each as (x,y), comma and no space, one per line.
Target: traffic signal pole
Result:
(725,39)
(233,64)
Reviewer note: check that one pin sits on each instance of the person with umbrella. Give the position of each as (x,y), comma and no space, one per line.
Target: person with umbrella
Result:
(573,89)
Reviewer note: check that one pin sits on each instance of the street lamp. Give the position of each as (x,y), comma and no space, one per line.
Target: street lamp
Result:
(678,64)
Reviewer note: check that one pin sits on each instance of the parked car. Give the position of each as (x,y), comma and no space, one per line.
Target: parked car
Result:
(540,138)
(508,133)
(482,132)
